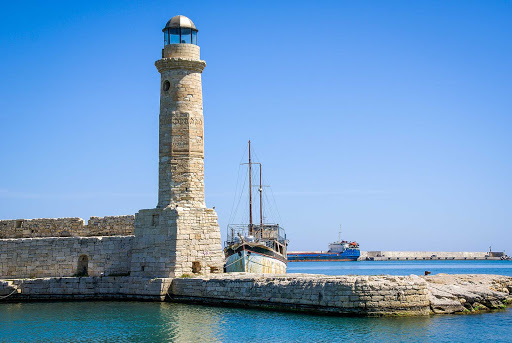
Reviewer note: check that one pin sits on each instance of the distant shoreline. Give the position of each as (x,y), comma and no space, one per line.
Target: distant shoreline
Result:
(380,255)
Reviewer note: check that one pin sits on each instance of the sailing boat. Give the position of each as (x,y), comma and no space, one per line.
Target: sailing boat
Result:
(255,248)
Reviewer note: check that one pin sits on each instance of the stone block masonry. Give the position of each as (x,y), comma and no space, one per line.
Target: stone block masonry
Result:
(67,227)
(51,257)
(181,235)
(86,288)
(171,242)
(334,295)
(342,295)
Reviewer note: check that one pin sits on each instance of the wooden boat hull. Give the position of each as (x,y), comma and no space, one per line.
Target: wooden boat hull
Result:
(251,258)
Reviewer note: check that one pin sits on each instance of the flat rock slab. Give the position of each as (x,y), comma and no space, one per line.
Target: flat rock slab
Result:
(468,292)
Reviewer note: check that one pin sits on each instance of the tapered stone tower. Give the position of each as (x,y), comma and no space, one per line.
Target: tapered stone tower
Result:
(179,236)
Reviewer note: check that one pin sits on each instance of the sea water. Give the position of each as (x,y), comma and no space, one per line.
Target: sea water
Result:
(92,321)
(402,267)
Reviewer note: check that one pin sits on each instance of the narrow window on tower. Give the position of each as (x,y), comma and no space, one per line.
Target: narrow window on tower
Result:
(167,85)
(155,220)
(194,37)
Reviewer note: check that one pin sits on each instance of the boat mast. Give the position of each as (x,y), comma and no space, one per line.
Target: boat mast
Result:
(261,203)
(250,191)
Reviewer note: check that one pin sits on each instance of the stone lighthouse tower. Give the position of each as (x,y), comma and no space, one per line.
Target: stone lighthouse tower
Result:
(179,236)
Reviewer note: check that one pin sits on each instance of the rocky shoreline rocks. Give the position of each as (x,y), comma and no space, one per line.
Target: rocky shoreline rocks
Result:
(468,293)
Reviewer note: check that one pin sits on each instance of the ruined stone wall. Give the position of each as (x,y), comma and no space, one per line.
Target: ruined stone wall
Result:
(52,257)
(110,226)
(357,295)
(67,227)
(45,227)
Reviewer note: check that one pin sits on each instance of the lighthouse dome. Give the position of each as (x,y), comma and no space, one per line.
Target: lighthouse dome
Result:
(180,30)
(180,21)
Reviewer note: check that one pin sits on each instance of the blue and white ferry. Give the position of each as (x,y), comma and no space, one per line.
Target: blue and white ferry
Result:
(338,251)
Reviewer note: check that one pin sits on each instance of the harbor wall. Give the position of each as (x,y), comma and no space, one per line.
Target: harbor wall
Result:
(424,255)
(56,257)
(85,288)
(342,295)
(67,227)
(381,295)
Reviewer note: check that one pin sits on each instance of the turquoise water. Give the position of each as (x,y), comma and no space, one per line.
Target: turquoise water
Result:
(166,322)
(402,267)
(163,322)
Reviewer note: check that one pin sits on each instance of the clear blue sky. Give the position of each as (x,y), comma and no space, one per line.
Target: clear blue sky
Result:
(392,118)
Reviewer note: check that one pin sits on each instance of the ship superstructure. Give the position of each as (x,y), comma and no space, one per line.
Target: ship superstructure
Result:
(339,250)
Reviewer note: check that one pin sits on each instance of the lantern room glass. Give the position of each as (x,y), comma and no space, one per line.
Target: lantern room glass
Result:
(186,36)
(180,36)
(174,35)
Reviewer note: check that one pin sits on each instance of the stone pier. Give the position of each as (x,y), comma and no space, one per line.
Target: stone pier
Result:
(382,295)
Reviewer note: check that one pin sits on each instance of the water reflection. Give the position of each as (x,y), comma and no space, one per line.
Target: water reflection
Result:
(166,322)
(183,324)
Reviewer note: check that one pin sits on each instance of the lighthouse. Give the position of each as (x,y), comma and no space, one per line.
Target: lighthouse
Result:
(181,235)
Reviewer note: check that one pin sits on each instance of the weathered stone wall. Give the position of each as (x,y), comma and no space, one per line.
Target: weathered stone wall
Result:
(355,295)
(190,51)
(78,288)
(110,226)
(67,227)
(44,227)
(181,154)
(180,236)
(171,242)
(51,257)
(344,295)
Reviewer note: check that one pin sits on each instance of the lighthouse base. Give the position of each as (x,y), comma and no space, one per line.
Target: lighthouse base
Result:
(176,242)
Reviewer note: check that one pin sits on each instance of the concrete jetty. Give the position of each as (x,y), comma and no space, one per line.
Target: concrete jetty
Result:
(382,295)
(430,255)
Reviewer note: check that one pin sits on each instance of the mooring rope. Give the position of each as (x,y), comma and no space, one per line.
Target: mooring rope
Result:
(227,265)
(7,296)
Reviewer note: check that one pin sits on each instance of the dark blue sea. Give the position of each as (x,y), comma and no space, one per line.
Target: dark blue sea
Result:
(402,267)
(166,322)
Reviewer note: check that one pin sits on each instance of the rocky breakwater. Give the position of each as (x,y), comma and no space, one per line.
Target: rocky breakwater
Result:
(341,295)
(467,293)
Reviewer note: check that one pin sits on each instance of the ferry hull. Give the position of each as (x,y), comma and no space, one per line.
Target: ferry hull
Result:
(347,255)
(245,259)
